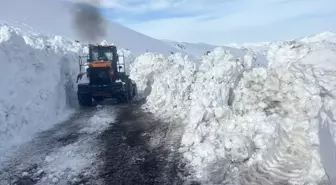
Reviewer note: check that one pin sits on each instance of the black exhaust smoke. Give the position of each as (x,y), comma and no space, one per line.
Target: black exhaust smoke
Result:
(88,21)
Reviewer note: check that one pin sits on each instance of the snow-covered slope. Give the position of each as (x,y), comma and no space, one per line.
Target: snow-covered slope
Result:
(54,17)
(195,49)
(256,47)
(261,47)
(248,124)
(327,36)
(37,83)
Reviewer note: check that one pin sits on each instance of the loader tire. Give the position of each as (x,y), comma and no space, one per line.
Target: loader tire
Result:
(134,90)
(128,93)
(98,99)
(85,99)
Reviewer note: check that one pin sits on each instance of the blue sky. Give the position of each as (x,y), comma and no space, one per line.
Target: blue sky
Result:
(223,21)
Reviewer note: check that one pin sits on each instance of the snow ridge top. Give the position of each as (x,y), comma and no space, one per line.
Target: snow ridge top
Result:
(12,34)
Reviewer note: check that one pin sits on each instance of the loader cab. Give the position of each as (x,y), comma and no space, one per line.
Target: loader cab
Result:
(103,64)
(102,53)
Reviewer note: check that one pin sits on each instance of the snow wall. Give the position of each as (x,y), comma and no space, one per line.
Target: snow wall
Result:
(249,118)
(38,81)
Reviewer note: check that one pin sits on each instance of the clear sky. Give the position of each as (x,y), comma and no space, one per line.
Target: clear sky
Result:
(224,21)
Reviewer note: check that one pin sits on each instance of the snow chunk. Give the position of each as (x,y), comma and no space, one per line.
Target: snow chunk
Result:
(4,33)
(25,174)
(99,122)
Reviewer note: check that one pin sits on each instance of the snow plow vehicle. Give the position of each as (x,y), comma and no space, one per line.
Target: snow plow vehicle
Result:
(106,77)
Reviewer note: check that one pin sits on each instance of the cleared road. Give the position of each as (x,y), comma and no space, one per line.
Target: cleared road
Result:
(99,145)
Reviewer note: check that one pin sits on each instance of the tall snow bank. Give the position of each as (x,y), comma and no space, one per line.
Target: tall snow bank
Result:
(37,83)
(249,124)
(167,82)
(198,91)
(164,82)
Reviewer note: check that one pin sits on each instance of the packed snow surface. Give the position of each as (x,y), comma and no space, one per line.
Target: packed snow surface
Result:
(250,118)
(68,162)
(37,83)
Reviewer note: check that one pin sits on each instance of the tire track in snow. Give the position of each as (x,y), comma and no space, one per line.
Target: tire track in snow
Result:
(65,154)
(286,163)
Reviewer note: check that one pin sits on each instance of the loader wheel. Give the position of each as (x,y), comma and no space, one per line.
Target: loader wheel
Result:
(128,92)
(134,89)
(85,99)
(121,99)
(98,99)
(126,97)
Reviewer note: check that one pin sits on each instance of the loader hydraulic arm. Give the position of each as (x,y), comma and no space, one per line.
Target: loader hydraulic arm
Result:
(80,76)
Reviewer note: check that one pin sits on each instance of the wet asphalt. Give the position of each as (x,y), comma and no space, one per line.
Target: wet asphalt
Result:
(129,158)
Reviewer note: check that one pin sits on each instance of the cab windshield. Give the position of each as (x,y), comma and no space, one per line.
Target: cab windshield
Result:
(101,54)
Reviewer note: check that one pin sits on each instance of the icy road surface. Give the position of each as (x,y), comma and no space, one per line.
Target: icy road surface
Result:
(100,145)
